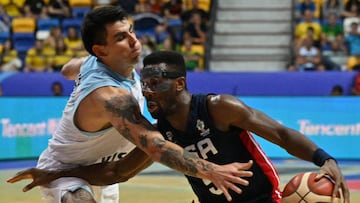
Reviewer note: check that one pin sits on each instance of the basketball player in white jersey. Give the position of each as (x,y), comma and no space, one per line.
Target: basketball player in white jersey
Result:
(102,121)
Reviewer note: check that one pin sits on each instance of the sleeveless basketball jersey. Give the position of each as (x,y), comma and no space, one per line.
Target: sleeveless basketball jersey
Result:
(237,145)
(69,145)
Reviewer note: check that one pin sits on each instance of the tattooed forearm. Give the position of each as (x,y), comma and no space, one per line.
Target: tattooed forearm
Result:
(127,113)
(175,159)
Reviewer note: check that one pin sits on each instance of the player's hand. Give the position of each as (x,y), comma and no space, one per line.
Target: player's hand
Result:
(227,176)
(331,168)
(38,176)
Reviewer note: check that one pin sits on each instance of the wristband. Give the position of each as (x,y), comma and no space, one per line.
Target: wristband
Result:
(320,156)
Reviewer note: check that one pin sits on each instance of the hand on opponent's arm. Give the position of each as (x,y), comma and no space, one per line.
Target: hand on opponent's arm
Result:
(97,174)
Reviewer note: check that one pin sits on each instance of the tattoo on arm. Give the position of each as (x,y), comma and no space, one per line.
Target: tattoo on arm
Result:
(126,108)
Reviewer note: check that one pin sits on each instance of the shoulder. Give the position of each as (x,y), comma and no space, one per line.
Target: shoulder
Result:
(227,109)
(223,102)
(107,93)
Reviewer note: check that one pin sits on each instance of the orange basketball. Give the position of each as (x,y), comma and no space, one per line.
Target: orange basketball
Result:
(303,188)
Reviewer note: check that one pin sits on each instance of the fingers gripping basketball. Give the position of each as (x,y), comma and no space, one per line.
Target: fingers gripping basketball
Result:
(303,188)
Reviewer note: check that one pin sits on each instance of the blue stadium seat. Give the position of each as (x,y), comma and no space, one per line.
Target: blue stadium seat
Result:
(71,22)
(80,12)
(176,26)
(46,24)
(145,23)
(23,41)
(4,36)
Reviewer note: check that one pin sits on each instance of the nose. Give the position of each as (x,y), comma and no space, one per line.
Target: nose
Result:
(147,93)
(132,38)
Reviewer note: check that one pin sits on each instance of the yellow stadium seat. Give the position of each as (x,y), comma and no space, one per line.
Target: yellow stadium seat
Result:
(4,2)
(23,24)
(79,3)
(12,10)
(19,3)
(203,4)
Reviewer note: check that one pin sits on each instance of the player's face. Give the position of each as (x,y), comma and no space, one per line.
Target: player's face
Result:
(160,94)
(122,47)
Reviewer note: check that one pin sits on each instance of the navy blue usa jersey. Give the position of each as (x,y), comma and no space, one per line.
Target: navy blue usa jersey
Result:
(236,145)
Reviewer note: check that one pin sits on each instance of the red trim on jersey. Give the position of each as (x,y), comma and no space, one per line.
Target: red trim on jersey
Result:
(264,162)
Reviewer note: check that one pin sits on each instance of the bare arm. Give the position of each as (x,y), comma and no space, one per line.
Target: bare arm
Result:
(71,69)
(105,173)
(235,113)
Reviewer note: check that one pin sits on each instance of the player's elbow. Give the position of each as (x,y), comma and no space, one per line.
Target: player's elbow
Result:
(67,72)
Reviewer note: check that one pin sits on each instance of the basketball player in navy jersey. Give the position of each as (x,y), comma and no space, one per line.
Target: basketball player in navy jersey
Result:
(216,128)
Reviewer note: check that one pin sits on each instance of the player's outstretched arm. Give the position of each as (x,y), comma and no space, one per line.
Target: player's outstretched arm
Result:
(235,113)
(97,174)
(124,114)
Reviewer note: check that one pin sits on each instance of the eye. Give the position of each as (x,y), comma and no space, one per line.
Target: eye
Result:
(154,82)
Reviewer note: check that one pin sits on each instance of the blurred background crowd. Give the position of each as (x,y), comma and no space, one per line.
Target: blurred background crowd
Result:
(42,35)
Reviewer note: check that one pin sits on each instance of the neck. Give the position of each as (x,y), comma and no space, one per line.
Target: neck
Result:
(181,112)
(125,71)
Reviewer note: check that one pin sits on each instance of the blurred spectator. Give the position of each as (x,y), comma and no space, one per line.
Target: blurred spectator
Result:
(143,6)
(308,57)
(57,89)
(156,6)
(168,44)
(73,42)
(338,54)
(355,89)
(304,5)
(148,46)
(196,30)
(5,20)
(353,39)
(337,90)
(128,5)
(59,9)
(330,29)
(9,60)
(351,9)
(302,29)
(172,9)
(161,33)
(186,15)
(62,55)
(332,6)
(37,59)
(55,34)
(193,55)
(35,9)
(347,24)
(353,62)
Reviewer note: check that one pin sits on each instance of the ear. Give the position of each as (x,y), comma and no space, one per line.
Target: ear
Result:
(99,50)
(180,84)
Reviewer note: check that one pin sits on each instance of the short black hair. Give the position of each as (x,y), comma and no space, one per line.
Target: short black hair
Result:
(174,60)
(93,29)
